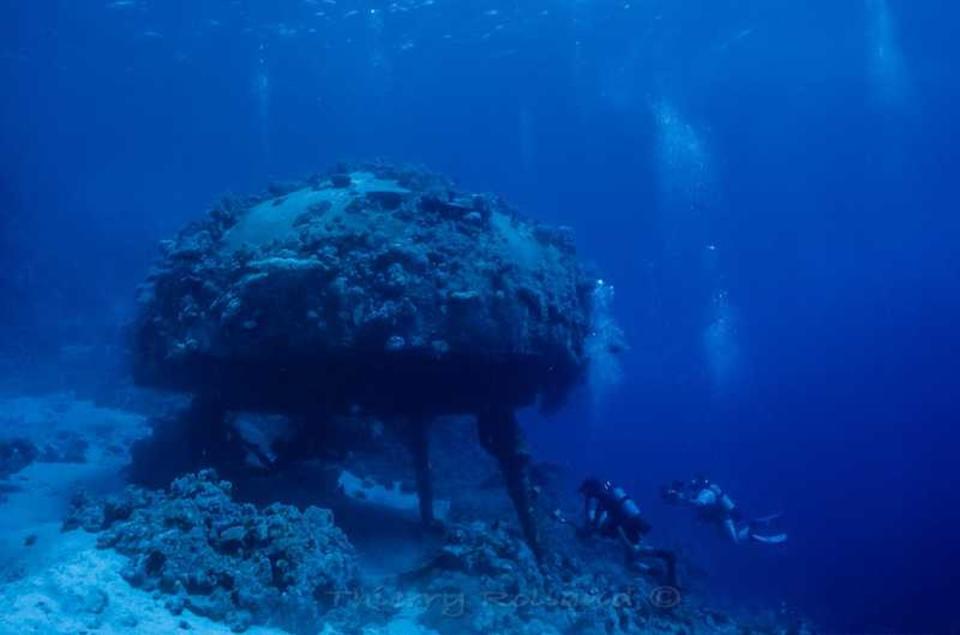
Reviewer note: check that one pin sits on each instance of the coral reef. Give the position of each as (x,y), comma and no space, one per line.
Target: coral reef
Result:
(485,579)
(16,454)
(234,564)
(221,559)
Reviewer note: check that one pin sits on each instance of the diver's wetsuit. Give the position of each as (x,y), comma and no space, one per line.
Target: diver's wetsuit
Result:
(609,509)
(611,513)
(715,507)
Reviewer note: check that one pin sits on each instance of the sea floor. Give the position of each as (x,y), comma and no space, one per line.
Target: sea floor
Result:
(55,581)
(60,582)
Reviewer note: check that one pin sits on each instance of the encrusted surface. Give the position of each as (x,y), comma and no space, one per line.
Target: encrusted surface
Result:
(225,560)
(374,285)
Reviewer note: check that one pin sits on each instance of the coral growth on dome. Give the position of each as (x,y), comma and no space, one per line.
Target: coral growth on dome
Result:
(372,285)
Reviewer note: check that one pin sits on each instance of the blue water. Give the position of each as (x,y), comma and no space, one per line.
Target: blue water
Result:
(769,185)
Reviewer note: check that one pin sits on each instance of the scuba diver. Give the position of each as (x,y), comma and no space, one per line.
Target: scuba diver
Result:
(609,512)
(714,506)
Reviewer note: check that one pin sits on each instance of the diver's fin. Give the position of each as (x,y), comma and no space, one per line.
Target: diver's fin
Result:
(770,540)
(766,520)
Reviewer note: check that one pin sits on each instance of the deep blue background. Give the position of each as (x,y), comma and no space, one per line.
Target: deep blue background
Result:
(813,144)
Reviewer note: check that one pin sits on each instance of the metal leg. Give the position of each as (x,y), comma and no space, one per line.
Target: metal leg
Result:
(418,438)
(500,435)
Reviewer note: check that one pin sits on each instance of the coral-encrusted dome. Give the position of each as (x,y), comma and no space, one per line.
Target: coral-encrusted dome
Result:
(371,286)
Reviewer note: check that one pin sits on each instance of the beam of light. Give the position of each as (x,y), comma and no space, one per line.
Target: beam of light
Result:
(886,66)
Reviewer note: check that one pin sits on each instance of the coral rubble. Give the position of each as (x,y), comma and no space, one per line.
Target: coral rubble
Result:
(224,560)
(296,571)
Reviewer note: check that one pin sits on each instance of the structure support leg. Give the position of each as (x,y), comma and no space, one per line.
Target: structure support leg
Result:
(501,436)
(418,439)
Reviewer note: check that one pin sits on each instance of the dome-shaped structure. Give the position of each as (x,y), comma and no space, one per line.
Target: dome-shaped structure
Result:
(376,287)
(372,289)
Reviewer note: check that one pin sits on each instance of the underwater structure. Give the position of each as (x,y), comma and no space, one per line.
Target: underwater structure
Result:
(370,289)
